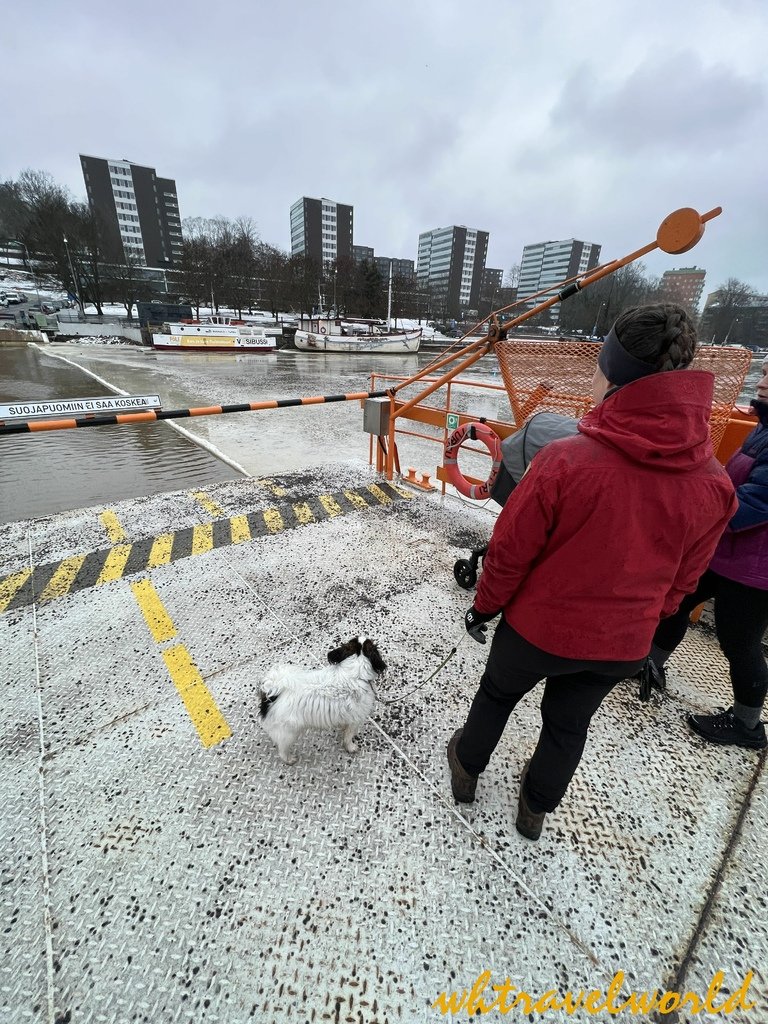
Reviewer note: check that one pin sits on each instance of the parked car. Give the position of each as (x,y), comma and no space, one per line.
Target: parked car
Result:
(12,298)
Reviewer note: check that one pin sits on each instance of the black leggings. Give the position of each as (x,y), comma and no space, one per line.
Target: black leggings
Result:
(741,619)
(573,692)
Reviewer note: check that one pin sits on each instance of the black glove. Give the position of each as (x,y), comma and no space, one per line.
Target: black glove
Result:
(651,676)
(475,623)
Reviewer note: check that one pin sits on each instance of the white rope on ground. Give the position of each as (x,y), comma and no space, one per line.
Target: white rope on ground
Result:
(199,441)
(482,840)
(47,917)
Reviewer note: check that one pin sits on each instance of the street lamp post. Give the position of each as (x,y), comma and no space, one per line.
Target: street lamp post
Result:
(76,280)
(734,321)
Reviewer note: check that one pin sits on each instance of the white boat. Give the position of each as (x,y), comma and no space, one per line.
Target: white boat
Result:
(352,334)
(322,339)
(214,334)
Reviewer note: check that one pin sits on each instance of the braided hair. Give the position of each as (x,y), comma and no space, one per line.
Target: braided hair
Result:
(662,335)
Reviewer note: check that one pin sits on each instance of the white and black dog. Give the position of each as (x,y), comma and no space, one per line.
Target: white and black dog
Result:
(337,696)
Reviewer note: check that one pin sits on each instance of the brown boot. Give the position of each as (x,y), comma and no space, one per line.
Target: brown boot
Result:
(463,784)
(528,824)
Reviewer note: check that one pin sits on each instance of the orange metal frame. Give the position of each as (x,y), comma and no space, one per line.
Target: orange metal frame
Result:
(678,233)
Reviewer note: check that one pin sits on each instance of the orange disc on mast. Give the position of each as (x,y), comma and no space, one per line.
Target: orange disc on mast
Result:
(680,231)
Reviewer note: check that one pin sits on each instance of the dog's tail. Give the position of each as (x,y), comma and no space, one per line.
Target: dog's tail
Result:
(267,700)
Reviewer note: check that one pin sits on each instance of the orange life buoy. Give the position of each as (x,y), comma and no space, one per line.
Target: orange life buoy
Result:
(322,330)
(491,440)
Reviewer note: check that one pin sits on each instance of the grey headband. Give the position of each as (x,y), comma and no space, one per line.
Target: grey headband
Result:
(619,366)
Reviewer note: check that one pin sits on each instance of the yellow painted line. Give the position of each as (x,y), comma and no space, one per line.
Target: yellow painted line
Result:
(115,564)
(11,585)
(401,491)
(240,529)
(303,513)
(63,578)
(209,505)
(206,717)
(202,538)
(333,508)
(111,524)
(273,520)
(273,488)
(379,495)
(161,551)
(157,618)
(357,499)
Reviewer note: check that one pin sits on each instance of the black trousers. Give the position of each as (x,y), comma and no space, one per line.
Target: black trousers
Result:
(573,692)
(741,619)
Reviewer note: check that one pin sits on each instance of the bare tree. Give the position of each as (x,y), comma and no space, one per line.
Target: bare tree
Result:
(725,314)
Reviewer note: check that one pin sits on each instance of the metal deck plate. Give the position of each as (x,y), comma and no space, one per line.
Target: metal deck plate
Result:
(189,883)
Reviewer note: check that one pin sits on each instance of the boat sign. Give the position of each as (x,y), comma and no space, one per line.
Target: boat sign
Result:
(79,406)
(452,421)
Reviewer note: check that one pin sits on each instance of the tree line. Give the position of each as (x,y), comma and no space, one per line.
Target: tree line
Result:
(225,263)
(733,313)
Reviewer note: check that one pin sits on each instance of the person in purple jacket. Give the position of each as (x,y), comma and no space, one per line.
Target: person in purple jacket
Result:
(737,579)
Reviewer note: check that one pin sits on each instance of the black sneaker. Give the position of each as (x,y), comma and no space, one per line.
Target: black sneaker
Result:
(727,729)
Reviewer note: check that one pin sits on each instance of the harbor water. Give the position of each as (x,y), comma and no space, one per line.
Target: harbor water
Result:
(44,473)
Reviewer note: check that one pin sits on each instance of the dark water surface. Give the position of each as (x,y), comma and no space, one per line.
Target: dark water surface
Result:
(52,472)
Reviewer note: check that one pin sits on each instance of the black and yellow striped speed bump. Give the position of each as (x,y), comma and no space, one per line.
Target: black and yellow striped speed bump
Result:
(45,583)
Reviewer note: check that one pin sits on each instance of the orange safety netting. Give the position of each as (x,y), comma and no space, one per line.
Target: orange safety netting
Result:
(556,376)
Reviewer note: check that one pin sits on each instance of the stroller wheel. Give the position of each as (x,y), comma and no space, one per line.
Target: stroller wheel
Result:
(465,574)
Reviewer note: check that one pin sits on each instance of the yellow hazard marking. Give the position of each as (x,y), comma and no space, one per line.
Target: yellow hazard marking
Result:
(273,520)
(303,513)
(206,717)
(157,618)
(63,578)
(273,488)
(240,529)
(357,499)
(379,495)
(111,524)
(161,551)
(401,491)
(209,505)
(114,566)
(11,585)
(202,538)
(331,507)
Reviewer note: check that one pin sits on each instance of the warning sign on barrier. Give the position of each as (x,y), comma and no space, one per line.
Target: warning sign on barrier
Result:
(79,406)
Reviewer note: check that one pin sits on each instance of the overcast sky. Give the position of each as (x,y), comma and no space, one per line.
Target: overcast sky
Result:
(531,119)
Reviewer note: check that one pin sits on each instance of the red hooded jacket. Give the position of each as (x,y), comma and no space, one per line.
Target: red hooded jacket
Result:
(609,529)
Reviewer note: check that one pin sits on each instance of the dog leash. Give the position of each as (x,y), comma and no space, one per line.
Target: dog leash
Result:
(443,663)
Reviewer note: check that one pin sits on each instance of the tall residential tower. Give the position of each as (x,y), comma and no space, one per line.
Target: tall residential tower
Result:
(545,264)
(451,262)
(138,211)
(322,229)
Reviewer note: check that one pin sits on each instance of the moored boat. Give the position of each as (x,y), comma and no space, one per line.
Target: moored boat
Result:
(322,340)
(217,334)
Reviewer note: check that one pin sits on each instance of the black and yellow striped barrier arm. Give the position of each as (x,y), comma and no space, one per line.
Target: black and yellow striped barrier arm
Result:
(174,414)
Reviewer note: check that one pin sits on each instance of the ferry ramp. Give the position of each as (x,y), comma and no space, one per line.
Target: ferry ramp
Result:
(161,864)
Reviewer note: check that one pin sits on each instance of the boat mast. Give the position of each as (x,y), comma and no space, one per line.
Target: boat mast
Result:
(389,301)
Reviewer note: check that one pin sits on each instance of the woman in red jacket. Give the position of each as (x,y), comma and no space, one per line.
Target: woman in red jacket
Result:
(603,536)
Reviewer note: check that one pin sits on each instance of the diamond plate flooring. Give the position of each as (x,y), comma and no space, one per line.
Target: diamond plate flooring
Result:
(150,878)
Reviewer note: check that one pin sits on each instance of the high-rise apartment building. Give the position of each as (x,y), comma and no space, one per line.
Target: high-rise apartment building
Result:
(138,211)
(683,286)
(545,264)
(322,229)
(451,262)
